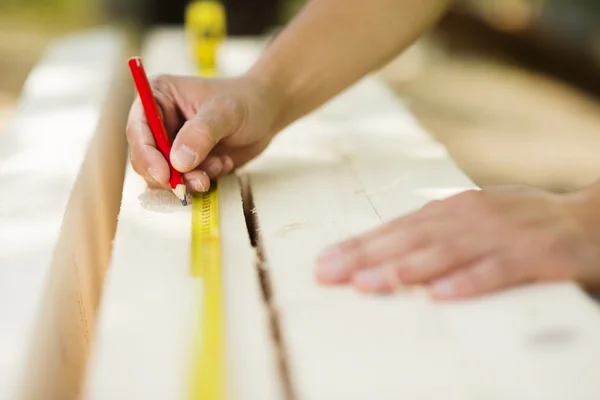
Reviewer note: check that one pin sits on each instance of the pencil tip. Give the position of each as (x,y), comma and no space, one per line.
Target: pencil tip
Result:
(181,194)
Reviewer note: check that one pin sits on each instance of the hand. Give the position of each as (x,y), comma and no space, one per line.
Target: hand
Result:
(215,125)
(474,243)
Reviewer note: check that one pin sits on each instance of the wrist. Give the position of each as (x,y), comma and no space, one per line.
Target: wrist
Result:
(275,94)
(585,205)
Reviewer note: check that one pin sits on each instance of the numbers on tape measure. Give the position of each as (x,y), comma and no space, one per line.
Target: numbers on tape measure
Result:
(205,231)
(205,217)
(208,371)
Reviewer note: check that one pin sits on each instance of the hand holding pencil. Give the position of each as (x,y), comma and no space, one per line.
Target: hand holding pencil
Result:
(156,125)
(213,124)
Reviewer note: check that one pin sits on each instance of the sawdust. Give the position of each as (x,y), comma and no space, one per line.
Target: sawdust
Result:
(160,200)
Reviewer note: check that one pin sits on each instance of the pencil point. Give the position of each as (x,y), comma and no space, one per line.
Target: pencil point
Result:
(181,194)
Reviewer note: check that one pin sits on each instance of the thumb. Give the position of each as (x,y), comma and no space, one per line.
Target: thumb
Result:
(216,119)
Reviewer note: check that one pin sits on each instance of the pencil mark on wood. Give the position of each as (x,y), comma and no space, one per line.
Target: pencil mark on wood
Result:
(348,162)
(382,189)
(284,230)
(552,337)
(161,201)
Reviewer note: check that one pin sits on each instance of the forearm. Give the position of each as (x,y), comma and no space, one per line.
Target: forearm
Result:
(586,204)
(333,43)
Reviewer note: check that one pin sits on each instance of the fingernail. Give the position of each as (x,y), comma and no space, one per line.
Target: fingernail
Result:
(184,158)
(374,279)
(443,287)
(214,168)
(197,185)
(331,266)
(154,174)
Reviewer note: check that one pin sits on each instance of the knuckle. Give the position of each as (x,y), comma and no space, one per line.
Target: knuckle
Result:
(201,128)
(411,238)
(131,130)
(447,254)
(159,82)
(493,273)
(139,161)
(432,206)
(152,184)
(135,164)
(228,164)
(226,113)
(226,103)
(468,198)
(556,247)
(355,253)
(136,121)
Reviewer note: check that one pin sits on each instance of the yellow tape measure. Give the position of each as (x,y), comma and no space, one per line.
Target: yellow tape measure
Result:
(208,381)
(205,27)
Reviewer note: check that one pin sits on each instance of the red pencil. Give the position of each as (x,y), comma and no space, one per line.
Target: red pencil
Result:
(157,125)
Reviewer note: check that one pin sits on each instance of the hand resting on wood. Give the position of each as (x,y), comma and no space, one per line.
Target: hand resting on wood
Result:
(475,243)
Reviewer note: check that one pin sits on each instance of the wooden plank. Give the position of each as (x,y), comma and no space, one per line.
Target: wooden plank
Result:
(540,342)
(339,344)
(61,165)
(151,307)
(330,176)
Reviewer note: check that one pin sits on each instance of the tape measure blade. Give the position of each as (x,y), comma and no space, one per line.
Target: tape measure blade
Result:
(209,376)
(205,230)
(208,380)
(206,27)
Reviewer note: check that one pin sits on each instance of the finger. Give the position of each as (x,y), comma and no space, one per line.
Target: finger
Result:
(145,159)
(155,178)
(216,166)
(212,165)
(382,279)
(405,235)
(167,105)
(197,181)
(337,263)
(446,254)
(243,154)
(416,267)
(486,276)
(227,164)
(216,119)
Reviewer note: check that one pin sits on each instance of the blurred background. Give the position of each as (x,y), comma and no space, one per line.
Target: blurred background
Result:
(511,87)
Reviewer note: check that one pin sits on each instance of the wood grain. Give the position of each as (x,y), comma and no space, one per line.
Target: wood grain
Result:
(61,163)
(150,312)
(355,163)
(359,162)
